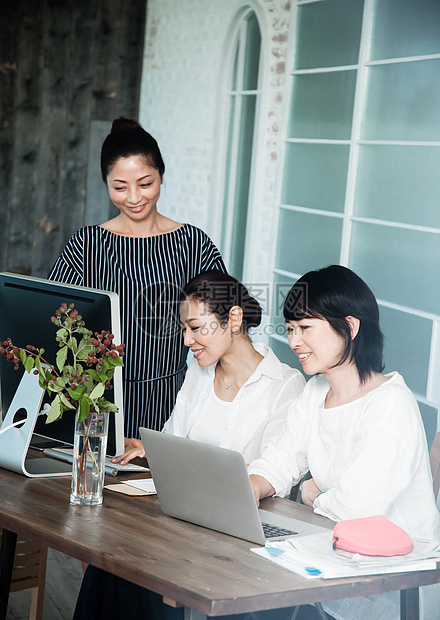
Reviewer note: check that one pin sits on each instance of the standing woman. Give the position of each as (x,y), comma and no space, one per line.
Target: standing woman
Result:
(147,259)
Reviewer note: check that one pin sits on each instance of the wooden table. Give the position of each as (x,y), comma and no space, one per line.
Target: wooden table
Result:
(209,573)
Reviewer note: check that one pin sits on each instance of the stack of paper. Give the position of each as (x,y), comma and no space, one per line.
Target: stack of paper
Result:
(313,557)
(145,486)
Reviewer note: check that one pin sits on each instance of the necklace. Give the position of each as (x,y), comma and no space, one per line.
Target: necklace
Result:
(239,378)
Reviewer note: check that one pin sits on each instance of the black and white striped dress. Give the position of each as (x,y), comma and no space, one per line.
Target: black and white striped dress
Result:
(148,273)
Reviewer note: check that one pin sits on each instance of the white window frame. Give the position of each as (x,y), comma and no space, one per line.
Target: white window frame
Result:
(221,215)
(432,396)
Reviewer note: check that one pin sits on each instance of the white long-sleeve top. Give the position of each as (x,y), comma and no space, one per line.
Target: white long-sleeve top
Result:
(257,413)
(370,457)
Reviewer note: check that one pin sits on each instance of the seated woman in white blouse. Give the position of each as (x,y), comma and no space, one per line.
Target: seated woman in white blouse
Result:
(357,431)
(236,393)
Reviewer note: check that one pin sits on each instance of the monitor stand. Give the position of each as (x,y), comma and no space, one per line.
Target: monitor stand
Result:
(15,441)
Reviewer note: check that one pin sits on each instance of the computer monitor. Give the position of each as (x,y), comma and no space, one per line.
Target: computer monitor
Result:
(26,306)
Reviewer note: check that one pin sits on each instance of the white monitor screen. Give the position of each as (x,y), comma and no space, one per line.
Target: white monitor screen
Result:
(26,306)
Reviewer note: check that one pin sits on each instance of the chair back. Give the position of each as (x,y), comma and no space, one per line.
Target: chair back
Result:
(29,572)
(434,457)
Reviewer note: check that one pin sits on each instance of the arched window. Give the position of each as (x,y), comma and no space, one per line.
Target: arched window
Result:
(243,98)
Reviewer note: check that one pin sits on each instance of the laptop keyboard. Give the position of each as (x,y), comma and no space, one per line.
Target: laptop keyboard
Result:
(271,531)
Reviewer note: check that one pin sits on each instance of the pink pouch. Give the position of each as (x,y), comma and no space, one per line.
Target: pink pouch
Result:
(371,536)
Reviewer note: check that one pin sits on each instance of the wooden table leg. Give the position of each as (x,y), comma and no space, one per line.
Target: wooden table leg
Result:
(409,604)
(7,553)
(192,614)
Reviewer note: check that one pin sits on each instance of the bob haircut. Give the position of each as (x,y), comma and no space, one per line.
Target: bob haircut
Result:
(220,292)
(128,139)
(332,294)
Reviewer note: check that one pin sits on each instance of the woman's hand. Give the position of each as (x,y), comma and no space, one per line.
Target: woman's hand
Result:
(309,492)
(132,448)
(261,487)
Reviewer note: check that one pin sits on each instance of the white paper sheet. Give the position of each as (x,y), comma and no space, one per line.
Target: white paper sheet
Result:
(145,484)
(313,557)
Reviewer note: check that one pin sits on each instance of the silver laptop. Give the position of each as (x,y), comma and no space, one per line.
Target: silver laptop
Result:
(210,486)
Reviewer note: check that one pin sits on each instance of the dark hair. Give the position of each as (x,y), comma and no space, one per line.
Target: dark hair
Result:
(220,292)
(128,138)
(332,294)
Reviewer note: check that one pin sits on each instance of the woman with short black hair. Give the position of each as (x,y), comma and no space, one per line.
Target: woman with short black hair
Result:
(357,431)
(330,293)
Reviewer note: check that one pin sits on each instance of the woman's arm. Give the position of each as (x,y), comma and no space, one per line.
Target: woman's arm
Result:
(210,256)
(68,267)
(132,448)
(291,387)
(309,492)
(261,487)
(386,448)
(284,461)
(188,404)
(181,417)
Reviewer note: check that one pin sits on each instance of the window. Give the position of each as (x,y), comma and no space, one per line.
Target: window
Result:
(360,183)
(243,95)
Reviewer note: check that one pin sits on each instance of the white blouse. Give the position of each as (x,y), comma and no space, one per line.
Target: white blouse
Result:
(370,457)
(215,421)
(256,414)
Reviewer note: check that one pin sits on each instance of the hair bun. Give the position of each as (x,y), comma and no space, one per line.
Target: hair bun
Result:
(127,138)
(123,123)
(221,291)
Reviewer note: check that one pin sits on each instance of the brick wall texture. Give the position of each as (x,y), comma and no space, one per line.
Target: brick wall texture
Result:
(181,97)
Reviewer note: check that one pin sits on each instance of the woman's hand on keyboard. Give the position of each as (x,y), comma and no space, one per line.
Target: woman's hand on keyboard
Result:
(133,448)
(261,487)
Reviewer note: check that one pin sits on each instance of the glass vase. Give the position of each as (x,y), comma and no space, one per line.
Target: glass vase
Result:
(88,467)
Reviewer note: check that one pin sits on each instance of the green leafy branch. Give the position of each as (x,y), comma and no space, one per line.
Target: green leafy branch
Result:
(84,366)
